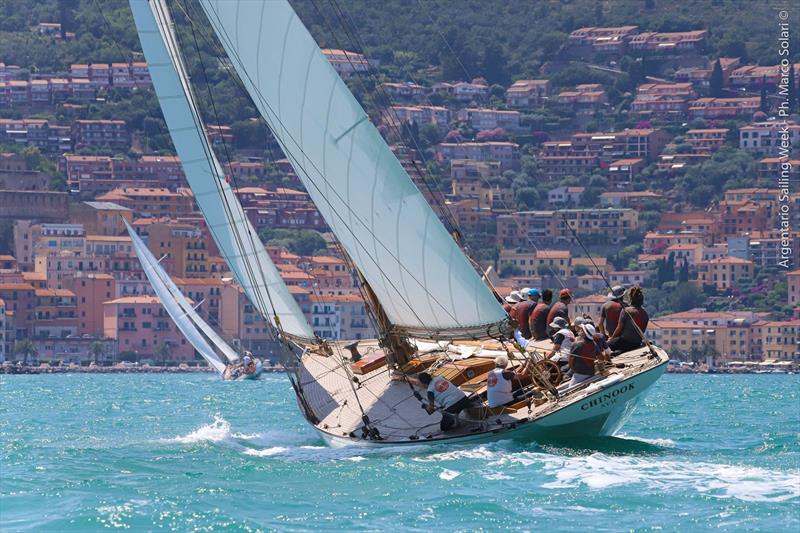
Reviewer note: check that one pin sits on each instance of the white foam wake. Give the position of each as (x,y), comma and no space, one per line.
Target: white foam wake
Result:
(664,443)
(600,471)
(217,431)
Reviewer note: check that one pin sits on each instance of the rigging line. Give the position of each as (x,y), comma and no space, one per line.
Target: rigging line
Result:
(484,180)
(608,284)
(316,186)
(447,44)
(229,214)
(234,77)
(162,20)
(394,121)
(111,32)
(293,158)
(254,242)
(215,44)
(350,28)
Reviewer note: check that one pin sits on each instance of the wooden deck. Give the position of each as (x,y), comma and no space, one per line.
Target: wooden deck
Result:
(339,398)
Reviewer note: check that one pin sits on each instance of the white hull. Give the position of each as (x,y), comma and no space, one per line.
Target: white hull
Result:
(583,411)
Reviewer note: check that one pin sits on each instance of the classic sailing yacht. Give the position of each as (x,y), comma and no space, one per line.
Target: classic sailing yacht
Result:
(201,335)
(433,311)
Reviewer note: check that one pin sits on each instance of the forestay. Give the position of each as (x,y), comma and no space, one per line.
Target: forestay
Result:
(235,236)
(422,279)
(162,278)
(176,310)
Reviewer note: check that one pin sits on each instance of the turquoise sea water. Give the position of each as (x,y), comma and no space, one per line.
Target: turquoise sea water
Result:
(192,453)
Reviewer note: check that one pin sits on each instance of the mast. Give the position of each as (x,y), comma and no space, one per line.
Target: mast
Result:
(424,284)
(231,229)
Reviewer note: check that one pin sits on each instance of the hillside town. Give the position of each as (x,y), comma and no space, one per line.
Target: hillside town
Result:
(592,174)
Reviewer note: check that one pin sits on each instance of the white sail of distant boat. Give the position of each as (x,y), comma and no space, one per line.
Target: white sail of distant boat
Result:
(425,284)
(232,231)
(188,322)
(162,283)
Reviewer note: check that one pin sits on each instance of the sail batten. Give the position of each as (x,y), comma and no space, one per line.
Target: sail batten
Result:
(419,275)
(231,229)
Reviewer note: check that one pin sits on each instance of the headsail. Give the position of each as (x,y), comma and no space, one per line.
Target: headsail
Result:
(232,231)
(178,308)
(162,278)
(422,279)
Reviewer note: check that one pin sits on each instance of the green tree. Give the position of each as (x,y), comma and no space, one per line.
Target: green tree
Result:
(96,351)
(581,270)
(508,270)
(7,237)
(300,242)
(683,274)
(791,97)
(164,352)
(686,296)
(494,64)
(26,350)
(716,81)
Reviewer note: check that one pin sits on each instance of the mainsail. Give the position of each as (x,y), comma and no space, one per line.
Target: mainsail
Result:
(425,284)
(179,309)
(232,231)
(160,277)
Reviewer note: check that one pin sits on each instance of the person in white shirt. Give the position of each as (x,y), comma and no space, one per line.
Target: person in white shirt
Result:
(563,338)
(445,396)
(499,382)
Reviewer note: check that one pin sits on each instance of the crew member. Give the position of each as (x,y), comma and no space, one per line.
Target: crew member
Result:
(516,297)
(584,353)
(508,303)
(524,310)
(632,325)
(499,382)
(442,394)
(560,308)
(562,340)
(609,313)
(538,319)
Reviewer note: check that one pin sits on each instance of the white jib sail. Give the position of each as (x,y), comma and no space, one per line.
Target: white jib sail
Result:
(232,231)
(186,325)
(162,278)
(421,277)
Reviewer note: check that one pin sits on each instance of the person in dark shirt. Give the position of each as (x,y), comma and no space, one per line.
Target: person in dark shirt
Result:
(611,310)
(537,322)
(560,308)
(632,324)
(585,351)
(524,310)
